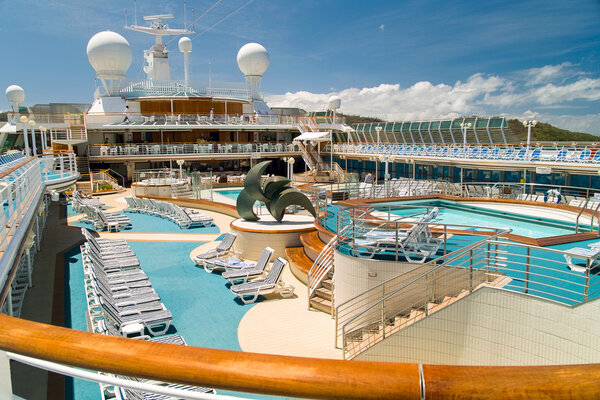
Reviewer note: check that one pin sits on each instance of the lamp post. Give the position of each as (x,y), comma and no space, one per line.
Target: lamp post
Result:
(291,162)
(528,125)
(43,137)
(386,175)
(464,128)
(180,163)
(24,120)
(33,146)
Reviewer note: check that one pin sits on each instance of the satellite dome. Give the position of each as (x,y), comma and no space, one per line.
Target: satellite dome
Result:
(253,59)
(185,44)
(15,94)
(109,53)
(334,102)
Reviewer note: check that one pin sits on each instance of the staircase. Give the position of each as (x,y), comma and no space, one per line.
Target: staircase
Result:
(396,304)
(374,333)
(180,189)
(83,166)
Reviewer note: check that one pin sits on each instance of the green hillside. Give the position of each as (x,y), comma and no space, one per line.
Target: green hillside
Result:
(544,132)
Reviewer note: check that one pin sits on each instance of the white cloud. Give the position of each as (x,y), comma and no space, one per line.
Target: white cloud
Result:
(480,94)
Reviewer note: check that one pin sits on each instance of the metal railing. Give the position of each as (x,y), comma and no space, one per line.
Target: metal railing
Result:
(321,268)
(68,135)
(504,153)
(133,88)
(175,149)
(395,304)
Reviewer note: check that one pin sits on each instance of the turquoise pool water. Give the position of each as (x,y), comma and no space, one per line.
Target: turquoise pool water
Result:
(204,311)
(455,213)
(153,223)
(231,193)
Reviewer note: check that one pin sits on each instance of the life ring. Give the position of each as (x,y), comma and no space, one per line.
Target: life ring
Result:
(552,196)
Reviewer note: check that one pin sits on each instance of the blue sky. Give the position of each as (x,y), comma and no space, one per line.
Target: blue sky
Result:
(399,60)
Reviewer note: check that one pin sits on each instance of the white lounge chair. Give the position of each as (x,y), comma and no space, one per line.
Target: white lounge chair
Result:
(224,248)
(271,284)
(255,271)
(582,253)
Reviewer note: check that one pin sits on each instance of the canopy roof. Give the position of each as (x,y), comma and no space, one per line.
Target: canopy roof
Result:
(314,136)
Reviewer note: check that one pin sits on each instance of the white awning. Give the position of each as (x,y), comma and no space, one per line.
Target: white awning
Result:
(314,136)
(8,128)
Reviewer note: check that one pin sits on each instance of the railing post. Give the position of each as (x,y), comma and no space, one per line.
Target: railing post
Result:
(527,261)
(587,279)
(471,269)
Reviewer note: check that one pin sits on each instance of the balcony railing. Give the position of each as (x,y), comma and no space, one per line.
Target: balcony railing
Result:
(495,153)
(177,149)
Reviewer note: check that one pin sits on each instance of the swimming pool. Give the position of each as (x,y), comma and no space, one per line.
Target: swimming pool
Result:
(452,212)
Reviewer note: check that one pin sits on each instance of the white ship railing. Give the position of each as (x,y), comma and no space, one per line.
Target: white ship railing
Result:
(509,154)
(185,88)
(175,149)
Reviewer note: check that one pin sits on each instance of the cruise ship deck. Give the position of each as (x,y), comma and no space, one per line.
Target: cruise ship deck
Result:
(179,239)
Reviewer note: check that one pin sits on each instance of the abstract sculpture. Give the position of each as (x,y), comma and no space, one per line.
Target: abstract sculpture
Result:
(274,193)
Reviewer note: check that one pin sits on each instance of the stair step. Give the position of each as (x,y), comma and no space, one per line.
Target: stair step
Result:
(323,293)
(327,283)
(321,304)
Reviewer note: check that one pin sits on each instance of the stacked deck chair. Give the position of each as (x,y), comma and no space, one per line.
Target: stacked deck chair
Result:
(108,329)
(224,248)
(102,220)
(184,217)
(250,272)
(78,202)
(119,290)
(248,292)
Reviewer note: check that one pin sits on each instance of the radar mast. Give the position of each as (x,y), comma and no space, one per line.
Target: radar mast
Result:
(157,62)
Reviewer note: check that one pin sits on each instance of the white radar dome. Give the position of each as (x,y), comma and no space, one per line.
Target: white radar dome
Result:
(253,59)
(109,53)
(15,94)
(334,102)
(185,44)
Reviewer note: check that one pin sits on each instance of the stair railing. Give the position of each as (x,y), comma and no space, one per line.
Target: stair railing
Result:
(320,269)
(306,156)
(421,290)
(356,308)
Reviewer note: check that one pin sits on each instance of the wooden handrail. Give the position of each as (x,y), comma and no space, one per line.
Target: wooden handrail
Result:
(224,369)
(292,376)
(16,167)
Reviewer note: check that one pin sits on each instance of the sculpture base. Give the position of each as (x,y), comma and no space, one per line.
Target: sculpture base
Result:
(254,236)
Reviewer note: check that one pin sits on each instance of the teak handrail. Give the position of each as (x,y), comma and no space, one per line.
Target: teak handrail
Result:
(292,376)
